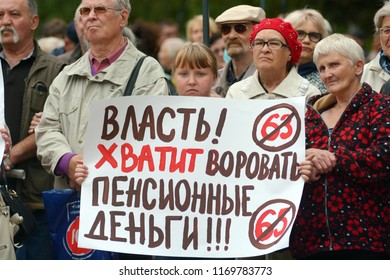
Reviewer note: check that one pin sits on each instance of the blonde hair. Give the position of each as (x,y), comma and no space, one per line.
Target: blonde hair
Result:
(195,55)
(199,19)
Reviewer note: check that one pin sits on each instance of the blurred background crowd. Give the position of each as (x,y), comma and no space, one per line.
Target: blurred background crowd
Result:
(154,20)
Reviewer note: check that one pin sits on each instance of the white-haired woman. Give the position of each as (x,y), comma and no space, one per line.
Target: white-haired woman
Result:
(311,28)
(377,71)
(345,214)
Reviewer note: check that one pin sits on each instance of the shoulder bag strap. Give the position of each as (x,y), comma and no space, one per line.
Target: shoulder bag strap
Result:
(3,178)
(133,77)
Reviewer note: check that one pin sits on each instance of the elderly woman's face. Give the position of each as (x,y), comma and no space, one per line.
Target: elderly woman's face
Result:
(385,39)
(338,73)
(270,58)
(309,36)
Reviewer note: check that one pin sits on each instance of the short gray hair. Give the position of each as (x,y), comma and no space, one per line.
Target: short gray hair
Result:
(174,44)
(380,14)
(32,7)
(341,44)
(124,4)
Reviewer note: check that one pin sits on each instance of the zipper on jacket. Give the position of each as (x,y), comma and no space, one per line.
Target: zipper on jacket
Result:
(326,176)
(326,183)
(326,201)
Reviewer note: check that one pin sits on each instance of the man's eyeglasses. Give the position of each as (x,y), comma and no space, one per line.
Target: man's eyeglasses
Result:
(273,44)
(98,10)
(385,31)
(313,36)
(240,28)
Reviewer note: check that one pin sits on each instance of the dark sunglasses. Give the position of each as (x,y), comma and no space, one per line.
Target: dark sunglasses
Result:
(313,36)
(240,28)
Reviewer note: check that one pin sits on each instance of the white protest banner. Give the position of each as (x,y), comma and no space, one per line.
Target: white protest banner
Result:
(192,176)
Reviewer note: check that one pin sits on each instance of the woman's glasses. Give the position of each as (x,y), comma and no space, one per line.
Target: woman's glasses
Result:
(313,36)
(240,28)
(273,44)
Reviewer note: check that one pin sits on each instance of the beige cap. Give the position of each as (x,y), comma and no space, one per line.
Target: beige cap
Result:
(241,13)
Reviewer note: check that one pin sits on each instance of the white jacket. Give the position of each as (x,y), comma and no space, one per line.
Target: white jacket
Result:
(374,75)
(293,85)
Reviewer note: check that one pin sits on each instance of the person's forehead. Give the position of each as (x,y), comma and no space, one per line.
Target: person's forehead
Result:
(98,2)
(308,25)
(269,33)
(218,42)
(169,28)
(236,22)
(386,21)
(13,4)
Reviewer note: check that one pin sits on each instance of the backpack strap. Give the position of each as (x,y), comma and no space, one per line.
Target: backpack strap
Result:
(133,77)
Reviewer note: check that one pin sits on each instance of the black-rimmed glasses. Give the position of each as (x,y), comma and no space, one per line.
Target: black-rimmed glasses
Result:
(315,37)
(98,10)
(240,28)
(272,44)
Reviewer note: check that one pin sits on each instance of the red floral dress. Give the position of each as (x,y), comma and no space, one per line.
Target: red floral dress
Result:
(348,208)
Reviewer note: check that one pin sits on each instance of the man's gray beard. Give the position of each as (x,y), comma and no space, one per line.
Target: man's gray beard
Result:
(10,28)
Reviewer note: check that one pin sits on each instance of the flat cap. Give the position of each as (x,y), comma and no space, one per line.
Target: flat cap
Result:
(241,13)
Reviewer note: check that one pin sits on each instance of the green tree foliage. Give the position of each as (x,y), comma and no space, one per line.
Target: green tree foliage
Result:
(340,13)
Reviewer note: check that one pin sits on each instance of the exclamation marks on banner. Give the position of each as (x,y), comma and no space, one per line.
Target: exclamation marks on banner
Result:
(220,230)
(221,123)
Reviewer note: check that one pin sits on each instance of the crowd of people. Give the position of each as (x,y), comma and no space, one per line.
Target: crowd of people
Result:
(345,206)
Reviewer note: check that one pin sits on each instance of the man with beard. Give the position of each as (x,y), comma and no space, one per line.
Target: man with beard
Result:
(28,73)
(235,25)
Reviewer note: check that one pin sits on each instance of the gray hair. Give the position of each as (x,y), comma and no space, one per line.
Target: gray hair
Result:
(174,45)
(380,14)
(299,17)
(341,44)
(128,33)
(32,7)
(124,4)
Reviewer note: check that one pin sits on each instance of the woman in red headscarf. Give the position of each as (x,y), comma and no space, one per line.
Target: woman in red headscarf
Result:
(276,51)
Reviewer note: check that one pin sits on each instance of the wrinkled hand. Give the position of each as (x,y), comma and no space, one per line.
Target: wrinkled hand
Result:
(7,139)
(34,122)
(72,172)
(81,172)
(306,168)
(323,160)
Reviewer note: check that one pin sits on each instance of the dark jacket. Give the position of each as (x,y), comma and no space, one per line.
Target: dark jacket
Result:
(44,69)
(221,86)
(348,208)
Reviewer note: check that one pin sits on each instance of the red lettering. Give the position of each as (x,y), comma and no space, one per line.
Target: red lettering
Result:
(107,156)
(145,156)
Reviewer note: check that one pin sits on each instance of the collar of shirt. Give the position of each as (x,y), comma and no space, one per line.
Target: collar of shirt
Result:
(97,67)
(307,68)
(384,62)
(231,78)
(27,57)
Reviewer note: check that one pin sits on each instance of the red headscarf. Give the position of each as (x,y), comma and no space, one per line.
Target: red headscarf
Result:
(287,31)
